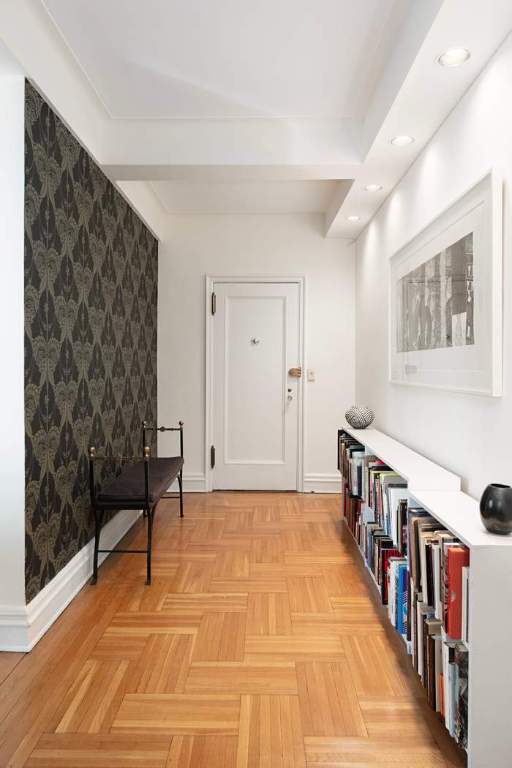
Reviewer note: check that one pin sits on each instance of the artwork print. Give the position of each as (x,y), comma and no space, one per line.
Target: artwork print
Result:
(445,298)
(436,301)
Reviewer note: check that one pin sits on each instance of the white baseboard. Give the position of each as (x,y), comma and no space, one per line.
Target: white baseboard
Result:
(322,483)
(193,482)
(22,626)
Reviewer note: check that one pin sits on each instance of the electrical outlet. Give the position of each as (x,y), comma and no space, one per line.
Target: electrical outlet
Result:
(311,375)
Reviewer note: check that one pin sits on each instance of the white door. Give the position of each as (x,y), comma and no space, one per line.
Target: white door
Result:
(256,402)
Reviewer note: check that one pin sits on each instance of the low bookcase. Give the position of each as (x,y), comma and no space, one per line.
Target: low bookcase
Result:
(488,591)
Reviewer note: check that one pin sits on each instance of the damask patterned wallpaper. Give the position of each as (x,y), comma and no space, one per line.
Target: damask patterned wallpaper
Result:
(90,335)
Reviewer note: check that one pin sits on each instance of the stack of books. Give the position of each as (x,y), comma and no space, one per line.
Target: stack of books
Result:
(422,573)
(439,584)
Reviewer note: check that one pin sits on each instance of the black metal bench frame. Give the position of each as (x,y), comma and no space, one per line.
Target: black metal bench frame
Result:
(148,506)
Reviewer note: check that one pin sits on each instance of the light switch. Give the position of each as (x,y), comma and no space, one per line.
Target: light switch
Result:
(311,375)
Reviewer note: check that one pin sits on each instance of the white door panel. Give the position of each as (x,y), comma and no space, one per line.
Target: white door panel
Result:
(255,402)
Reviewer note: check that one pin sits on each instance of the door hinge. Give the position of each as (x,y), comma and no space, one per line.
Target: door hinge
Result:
(214,302)
(212,457)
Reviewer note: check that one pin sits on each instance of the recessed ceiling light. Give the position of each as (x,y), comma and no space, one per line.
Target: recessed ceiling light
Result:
(373,187)
(352,218)
(453,57)
(402,141)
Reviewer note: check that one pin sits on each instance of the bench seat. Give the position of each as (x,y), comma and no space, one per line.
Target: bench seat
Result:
(127,491)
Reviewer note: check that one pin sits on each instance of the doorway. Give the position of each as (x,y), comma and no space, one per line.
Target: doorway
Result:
(254,383)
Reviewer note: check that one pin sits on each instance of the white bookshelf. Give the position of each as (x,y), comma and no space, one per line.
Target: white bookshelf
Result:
(460,513)
(413,467)
(490,595)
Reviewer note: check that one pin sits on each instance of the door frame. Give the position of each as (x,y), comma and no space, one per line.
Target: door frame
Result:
(210,282)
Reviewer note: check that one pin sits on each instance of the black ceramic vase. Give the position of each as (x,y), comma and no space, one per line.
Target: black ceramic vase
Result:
(496,508)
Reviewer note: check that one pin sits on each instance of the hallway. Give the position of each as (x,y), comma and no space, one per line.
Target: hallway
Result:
(259,644)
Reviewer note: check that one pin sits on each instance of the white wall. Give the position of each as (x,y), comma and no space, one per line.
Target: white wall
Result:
(278,245)
(12,443)
(467,434)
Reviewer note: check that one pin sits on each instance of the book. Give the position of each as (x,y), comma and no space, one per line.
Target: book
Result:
(436,568)
(424,612)
(414,517)
(457,558)
(465,604)
(446,684)
(386,554)
(396,494)
(433,632)
(370,463)
(403,598)
(383,544)
(424,530)
(423,574)
(439,673)
(402,524)
(461,716)
(444,538)
(374,530)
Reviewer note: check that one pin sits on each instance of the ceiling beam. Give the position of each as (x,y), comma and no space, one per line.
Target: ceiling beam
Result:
(165,144)
(412,22)
(232,173)
(425,98)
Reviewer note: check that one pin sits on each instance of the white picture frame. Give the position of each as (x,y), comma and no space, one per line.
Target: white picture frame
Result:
(446,296)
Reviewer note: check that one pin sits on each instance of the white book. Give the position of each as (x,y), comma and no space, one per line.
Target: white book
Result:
(420,609)
(453,692)
(465,604)
(446,684)
(353,475)
(395,496)
(439,665)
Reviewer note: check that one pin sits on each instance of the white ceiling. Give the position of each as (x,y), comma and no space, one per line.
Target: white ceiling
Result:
(230,58)
(253,106)
(181,196)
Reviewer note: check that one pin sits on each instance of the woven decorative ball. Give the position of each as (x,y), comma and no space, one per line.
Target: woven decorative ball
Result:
(359,417)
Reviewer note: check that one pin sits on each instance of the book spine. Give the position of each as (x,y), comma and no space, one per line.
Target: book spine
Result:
(458,557)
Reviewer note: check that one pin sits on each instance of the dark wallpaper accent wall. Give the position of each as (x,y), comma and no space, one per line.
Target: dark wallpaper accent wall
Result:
(90,335)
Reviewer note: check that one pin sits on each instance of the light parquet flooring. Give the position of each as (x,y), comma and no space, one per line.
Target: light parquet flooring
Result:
(259,644)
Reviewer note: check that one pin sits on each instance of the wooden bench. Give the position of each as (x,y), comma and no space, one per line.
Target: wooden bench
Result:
(141,484)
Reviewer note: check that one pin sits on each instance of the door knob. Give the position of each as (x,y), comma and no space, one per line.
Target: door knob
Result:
(295,372)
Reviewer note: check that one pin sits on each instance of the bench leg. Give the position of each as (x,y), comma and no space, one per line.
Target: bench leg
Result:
(149,513)
(180,483)
(97,530)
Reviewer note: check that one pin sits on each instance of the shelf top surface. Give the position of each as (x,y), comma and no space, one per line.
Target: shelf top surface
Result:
(460,513)
(415,468)
(434,488)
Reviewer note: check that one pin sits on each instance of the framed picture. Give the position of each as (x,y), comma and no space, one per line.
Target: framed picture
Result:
(446,298)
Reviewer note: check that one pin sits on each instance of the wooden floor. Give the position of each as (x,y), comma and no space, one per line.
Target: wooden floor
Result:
(258,644)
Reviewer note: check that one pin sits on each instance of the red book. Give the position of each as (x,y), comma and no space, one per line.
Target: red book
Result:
(458,558)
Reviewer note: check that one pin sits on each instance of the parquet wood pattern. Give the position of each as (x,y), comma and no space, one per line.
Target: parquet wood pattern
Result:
(259,644)
(268,613)
(203,752)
